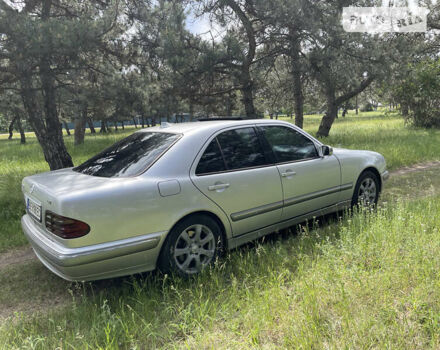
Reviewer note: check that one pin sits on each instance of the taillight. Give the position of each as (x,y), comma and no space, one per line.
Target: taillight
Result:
(65,227)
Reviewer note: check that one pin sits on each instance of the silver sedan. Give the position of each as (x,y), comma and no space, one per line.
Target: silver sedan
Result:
(176,196)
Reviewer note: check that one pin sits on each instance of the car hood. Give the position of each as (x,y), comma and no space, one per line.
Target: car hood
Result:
(351,152)
(363,158)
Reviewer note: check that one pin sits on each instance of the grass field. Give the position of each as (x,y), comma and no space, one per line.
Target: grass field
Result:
(384,133)
(369,280)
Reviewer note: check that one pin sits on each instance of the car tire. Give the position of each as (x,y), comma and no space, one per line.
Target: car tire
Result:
(367,190)
(192,245)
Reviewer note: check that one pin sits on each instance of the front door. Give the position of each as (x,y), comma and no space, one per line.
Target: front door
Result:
(310,182)
(235,173)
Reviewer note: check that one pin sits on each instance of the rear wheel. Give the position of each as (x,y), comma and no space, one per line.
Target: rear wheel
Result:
(367,190)
(192,245)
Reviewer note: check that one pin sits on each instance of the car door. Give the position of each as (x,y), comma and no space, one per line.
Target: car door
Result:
(234,172)
(309,182)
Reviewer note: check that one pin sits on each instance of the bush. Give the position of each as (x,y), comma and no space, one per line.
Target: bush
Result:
(421,93)
(368,107)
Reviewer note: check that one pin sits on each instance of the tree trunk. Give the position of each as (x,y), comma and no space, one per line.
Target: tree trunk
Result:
(330,115)
(91,126)
(66,126)
(80,127)
(247,85)
(248,94)
(51,142)
(143,122)
(116,125)
(48,131)
(333,104)
(102,130)
(404,109)
(11,128)
(191,110)
(122,124)
(134,122)
(20,129)
(153,120)
(357,105)
(297,85)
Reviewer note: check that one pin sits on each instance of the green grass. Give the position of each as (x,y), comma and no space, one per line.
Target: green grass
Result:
(384,133)
(367,281)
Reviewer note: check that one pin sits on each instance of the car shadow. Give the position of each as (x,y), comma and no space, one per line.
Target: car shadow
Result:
(156,280)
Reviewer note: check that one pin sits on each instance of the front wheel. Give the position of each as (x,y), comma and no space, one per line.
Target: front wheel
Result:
(367,190)
(192,245)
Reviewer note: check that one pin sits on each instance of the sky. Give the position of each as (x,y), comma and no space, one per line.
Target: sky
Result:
(201,25)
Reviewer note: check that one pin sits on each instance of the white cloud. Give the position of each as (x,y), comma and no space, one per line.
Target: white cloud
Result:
(202,26)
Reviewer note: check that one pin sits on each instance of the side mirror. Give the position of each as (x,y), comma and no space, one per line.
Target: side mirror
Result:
(326,151)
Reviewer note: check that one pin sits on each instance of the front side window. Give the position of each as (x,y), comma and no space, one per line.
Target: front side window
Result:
(289,145)
(129,156)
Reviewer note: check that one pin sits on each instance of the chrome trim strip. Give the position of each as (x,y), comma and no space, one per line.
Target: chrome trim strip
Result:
(245,214)
(348,186)
(250,236)
(241,215)
(68,257)
(306,197)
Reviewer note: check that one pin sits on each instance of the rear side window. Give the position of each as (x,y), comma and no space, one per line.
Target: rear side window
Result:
(232,150)
(212,160)
(289,145)
(129,156)
(241,148)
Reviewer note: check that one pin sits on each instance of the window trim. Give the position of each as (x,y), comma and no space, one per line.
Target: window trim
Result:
(264,143)
(267,144)
(214,136)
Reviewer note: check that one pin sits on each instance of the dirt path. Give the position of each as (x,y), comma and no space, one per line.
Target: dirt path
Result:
(16,256)
(415,167)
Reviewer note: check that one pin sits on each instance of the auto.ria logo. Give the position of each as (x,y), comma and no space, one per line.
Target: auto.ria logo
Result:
(389,17)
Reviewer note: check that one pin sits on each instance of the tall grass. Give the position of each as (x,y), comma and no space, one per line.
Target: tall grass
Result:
(377,131)
(367,281)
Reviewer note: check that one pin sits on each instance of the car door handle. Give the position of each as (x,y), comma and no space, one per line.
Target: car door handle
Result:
(288,173)
(217,187)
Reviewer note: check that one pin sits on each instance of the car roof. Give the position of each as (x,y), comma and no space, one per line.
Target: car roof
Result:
(203,126)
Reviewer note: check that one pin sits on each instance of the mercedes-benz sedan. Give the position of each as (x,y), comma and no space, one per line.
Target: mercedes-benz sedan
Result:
(176,196)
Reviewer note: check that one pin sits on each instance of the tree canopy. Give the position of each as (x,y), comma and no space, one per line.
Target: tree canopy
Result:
(117,60)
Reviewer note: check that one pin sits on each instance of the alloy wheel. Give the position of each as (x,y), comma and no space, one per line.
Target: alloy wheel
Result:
(194,248)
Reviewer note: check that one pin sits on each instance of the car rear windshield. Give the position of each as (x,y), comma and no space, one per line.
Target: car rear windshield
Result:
(129,156)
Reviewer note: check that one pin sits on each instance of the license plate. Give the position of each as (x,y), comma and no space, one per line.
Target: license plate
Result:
(34,209)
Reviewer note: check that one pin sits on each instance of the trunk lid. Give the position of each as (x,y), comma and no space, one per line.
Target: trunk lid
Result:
(61,182)
(46,191)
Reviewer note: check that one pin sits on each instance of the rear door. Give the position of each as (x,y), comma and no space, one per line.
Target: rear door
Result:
(310,182)
(234,172)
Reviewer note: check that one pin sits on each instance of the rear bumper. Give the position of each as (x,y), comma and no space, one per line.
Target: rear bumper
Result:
(105,260)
